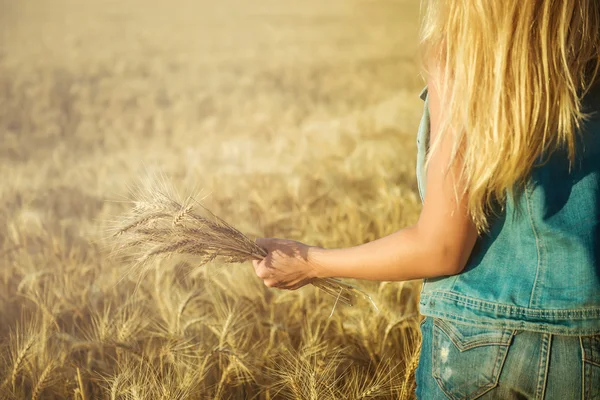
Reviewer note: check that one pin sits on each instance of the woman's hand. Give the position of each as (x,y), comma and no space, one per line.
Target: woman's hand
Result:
(287,266)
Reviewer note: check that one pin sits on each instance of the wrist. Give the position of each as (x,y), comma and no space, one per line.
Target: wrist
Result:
(318,258)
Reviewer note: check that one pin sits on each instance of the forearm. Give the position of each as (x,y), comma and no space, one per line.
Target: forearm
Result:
(438,245)
(403,255)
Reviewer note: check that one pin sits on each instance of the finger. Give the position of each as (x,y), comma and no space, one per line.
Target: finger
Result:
(290,284)
(264,273)
(271,283)
(298,284)
(260,264)
(292,287)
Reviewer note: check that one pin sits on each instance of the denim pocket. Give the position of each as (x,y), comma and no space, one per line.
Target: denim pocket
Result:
(590,346)
(466,359)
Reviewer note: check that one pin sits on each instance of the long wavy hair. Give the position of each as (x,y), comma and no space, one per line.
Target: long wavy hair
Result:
(513,76)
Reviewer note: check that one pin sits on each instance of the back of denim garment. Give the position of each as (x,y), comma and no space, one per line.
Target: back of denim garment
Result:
(539,266)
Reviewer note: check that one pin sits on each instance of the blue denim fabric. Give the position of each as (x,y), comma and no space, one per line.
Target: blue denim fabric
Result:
(467,361)
(538,268)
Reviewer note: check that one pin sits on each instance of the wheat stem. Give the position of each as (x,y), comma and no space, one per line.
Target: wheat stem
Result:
(39,386)
(20,359)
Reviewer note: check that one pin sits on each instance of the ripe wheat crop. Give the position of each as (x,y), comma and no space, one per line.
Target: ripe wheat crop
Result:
(300,119)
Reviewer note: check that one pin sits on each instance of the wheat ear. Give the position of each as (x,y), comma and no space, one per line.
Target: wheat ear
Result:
(160,225)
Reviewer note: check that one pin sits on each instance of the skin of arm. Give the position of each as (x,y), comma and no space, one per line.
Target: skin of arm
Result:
(439,244)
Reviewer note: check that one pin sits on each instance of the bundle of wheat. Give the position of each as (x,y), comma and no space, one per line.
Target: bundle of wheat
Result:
(160,225)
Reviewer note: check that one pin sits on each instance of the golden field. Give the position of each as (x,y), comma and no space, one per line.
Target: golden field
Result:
(292,119)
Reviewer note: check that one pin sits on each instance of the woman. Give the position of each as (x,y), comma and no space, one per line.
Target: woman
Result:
(508,240)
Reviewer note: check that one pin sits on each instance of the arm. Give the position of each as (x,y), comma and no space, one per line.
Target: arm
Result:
(438,244)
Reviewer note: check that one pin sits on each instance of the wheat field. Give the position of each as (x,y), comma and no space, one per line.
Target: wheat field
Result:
(289,119)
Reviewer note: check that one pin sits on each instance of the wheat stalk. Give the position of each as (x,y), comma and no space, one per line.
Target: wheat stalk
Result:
(410,370)
(42,381)
(19,359)
(160,225)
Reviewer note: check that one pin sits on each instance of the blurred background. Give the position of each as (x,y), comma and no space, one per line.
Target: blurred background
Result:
(296,119)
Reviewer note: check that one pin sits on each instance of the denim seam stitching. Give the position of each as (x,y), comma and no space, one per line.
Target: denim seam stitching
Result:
(559,314)
(483,304)
(559,330)
(592,363)
(433,363)
(537,245)
(544,376)
(462,347)
(539,367)
(459,319)
(538,387)
(588,380)
(589,357)
(480,304)
(582,368)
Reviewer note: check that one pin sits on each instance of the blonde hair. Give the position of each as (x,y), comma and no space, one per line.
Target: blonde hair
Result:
(514,73)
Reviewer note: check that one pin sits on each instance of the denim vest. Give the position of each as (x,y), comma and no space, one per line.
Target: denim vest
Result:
(538,268)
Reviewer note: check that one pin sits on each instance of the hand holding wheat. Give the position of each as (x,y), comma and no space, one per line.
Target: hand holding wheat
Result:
(159,225)
(287,265)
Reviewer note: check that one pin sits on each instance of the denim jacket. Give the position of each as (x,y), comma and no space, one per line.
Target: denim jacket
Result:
(538,268)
